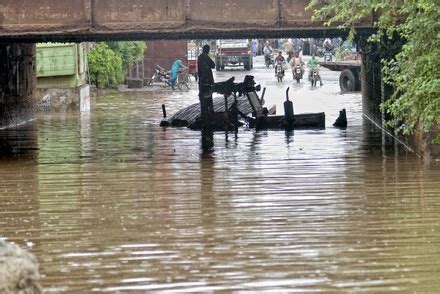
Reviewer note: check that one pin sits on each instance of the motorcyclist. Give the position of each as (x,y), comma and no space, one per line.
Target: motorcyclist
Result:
(267,50)
(280,61)
(297,61)
(328,47)
(288,48)
(314,64)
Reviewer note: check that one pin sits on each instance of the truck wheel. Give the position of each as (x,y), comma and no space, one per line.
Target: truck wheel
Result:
(247,65)
(347,81)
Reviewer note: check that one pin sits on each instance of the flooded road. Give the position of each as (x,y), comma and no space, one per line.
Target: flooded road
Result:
(109,201)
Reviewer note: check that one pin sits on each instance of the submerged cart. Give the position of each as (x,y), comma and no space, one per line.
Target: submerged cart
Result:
(242,103)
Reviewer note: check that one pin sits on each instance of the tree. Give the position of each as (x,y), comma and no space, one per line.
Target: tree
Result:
(414,72)
(130,52)
(105,67)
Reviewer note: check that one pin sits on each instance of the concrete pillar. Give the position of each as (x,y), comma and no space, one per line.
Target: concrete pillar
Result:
(371,78)
(17,83)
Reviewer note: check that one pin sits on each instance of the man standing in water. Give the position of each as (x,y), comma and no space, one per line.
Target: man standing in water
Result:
(206,80)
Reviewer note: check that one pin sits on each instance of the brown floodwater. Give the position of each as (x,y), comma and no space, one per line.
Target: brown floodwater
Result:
(109,201)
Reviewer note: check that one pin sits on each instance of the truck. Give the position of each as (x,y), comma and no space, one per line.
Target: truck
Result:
(350,77)
(233,53)
(349,66)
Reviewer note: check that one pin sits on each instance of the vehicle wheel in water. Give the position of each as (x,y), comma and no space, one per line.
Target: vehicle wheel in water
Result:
(247,66)
(347,81)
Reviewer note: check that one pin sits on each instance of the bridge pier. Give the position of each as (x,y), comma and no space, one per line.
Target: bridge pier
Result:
(17,83)
(374,90)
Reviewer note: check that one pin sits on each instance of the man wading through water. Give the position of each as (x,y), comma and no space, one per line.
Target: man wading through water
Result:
(206,80)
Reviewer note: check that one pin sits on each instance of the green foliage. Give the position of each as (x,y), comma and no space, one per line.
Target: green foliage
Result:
(130,52)
(343,50)
(105,67)
(415,71)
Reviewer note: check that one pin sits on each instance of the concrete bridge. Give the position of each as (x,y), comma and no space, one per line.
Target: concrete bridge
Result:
(24,22)
(79,20)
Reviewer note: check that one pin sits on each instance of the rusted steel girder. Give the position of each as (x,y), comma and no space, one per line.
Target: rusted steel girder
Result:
(157,19)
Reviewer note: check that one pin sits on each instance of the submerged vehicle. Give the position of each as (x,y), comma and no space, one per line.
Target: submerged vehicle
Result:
(240,101)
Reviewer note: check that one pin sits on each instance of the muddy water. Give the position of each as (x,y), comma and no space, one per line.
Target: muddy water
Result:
(109,201)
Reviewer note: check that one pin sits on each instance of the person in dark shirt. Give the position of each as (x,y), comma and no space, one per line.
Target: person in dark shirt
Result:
(205,66)
(206,80)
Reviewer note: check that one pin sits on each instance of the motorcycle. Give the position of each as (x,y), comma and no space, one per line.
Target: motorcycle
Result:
(314,76)
(279,71)
(320,51)
(160,75)
(269,60)
(297,73)
(183,79)
(328,56)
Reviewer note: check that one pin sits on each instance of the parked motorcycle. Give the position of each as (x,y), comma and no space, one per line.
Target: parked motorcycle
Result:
(279,71)
(297,73)
(160,75)
(269,60)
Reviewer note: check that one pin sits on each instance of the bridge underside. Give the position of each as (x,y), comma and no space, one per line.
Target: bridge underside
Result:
(81,20)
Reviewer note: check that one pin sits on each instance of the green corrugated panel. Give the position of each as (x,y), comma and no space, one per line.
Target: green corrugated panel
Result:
(56,59)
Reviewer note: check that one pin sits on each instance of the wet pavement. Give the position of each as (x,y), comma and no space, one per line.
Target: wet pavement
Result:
(109,201)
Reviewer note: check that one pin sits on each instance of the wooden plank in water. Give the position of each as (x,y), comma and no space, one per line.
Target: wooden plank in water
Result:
(301,121)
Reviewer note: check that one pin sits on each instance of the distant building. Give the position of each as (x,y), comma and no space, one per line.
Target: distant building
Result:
(163,53)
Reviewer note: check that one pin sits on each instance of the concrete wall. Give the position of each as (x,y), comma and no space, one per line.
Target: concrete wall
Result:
(17,83)
(64,99)
(371,81)
(163,53)
(375,91)
(422,142)
(61,76)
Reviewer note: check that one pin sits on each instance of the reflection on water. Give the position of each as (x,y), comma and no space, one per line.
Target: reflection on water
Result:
(110,201)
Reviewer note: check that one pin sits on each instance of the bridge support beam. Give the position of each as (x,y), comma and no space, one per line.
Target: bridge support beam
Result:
(372,83)
(375,91)
(17,83)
